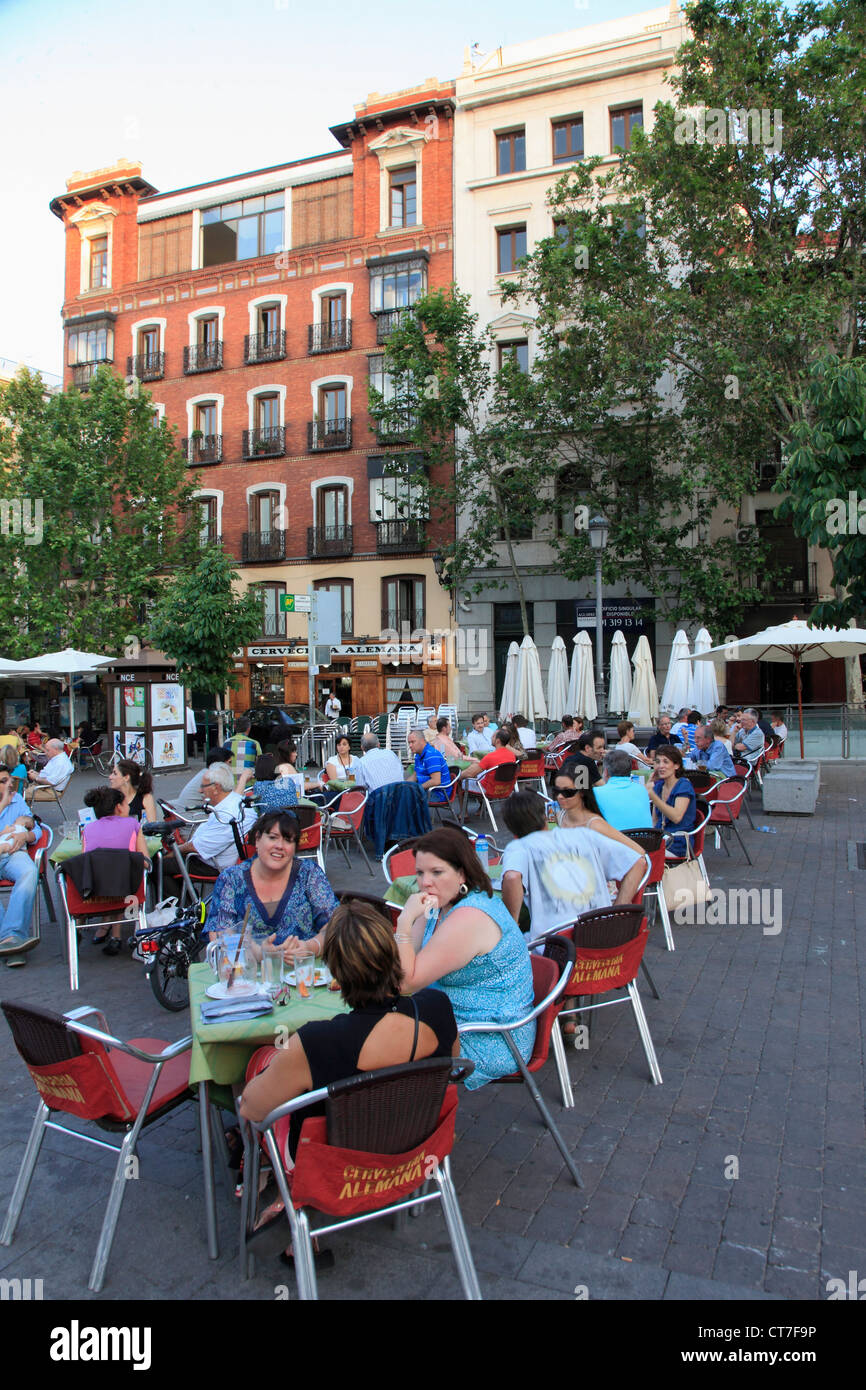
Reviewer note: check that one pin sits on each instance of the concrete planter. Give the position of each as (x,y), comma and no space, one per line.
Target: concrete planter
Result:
(792,787)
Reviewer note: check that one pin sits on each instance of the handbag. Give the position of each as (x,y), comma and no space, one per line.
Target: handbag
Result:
(684,887)
(163,913)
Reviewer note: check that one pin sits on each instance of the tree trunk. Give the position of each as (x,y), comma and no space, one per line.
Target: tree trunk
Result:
(518,581)
(220,720)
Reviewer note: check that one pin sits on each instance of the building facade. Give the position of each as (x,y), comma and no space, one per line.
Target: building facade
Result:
(254,310)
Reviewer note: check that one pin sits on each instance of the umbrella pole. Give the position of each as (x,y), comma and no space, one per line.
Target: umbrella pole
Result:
(71,710)
(800,701)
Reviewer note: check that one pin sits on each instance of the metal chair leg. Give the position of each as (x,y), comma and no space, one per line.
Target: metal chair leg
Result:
(643,1029)
(204,1119)
(666,921)
(747,809)
(305,1262)
(649,979)
(112,1211)
(25,1173)
(457,1232)
(740,841)
(543,1111)
(562,1068)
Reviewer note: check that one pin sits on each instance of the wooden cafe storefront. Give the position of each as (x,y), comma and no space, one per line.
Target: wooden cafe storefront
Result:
(368,678)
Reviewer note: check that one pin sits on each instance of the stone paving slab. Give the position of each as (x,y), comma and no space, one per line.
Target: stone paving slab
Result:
(760,1042)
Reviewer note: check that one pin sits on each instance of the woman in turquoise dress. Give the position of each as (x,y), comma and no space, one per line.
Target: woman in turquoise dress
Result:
(456,935)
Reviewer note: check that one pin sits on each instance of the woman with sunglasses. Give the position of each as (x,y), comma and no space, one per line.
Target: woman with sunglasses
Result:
(573,814)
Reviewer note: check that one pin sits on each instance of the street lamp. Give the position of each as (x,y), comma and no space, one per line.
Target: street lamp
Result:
(598,533)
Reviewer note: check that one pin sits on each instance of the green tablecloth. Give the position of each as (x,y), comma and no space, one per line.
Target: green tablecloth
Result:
(67,849)
(402,889)
(221,1051)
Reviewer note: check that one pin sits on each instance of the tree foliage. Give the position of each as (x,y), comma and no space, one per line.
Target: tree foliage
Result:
(200,621)
(113,493)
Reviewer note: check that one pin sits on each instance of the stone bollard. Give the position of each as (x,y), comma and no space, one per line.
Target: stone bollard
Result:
(793,787)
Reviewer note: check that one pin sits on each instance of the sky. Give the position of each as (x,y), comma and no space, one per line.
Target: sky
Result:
(200,89)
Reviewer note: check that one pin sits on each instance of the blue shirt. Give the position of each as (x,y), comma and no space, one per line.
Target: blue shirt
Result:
(717,758)
(682,787)
(624,804)
(16,809)
(428,762)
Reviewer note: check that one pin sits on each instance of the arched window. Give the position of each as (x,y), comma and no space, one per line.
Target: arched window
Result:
(572,485)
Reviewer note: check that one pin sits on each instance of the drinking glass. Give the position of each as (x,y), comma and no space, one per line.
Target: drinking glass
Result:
(270,967)
(305,969)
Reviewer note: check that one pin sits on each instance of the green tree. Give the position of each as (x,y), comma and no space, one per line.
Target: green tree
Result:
(113,493)
(201,621)
(471,422)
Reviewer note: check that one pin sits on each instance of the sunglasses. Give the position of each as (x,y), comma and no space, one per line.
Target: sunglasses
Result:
(566,791)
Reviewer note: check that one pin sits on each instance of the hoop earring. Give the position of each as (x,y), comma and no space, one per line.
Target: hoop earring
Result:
(462,891)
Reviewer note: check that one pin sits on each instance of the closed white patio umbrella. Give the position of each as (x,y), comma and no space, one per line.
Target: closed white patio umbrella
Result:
(678,683)
(581,687)
(793,642)
(705,690)
(529,699)
(509,689)
(644,704)
(557,680)
(620,675)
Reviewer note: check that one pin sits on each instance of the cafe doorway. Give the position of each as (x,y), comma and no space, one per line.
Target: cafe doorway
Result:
(337,683)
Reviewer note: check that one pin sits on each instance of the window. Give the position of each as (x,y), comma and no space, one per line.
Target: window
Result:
(206,418)
(568,140)
(332,510)
(243,229)
(93,344)
(333,313)
(510,248)
(267,412)
(516,352)
(511,151)
(345,589)
(332,409)
(403,601)
(208,532)
(519,526)
(269,320)
(572,484)
(622,123)
(207,331)
(396,391)
(148,344)
(403,197)
(398,285)
(397,496)
(98,262)
(273,620)
(561,230)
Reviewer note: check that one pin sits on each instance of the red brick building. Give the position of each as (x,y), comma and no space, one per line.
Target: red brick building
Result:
(254,310)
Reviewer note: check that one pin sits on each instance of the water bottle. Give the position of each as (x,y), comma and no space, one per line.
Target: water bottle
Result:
(481,849)
(551,814)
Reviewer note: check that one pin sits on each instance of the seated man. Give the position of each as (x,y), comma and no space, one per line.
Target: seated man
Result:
(525,732)
(431,769)
(583,765)
(561,873)
(211,846)
(16,832)
(378,766)
(778,725)
(443,740)
(478,740)
(749,741)
(569,733)
(431,731)
(56,772)
(499,753)
(190,792)
(663,737)
(712,753)
(626,743)
(623,803)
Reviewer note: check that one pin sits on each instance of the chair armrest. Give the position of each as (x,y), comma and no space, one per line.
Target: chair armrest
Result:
(290,1106)
(539,1007)
(173,1049)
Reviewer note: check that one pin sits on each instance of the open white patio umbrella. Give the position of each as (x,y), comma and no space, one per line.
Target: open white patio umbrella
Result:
(678,683)
(620,675)
(705,690)
(581,687)
(507,704)
(644,704)
(529,699)
(557,680)
(63,666)
(793,642)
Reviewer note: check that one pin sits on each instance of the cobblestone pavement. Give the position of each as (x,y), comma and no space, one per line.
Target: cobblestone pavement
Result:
(760,1042)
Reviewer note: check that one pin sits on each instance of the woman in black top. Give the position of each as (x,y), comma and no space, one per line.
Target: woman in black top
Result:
(383,1029)
(137,787)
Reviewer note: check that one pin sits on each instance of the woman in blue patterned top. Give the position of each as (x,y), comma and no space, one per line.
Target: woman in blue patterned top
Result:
(289,899)
(272,793)
(457,936)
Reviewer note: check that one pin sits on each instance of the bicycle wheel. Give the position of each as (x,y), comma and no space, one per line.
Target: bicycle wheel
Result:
(169,976)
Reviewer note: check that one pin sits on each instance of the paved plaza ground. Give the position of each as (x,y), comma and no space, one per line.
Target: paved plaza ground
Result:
(760,1043)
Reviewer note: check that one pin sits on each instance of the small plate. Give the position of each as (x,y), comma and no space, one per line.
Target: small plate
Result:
(241,988)
(322,977)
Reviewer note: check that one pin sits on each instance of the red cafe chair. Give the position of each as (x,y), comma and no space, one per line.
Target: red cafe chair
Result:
(395,1125)
(86,912)
(532,770)
(495,784)
(746,771)
(344,823)
(725,810)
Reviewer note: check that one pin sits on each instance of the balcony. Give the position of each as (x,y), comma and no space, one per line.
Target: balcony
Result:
(400,537)
(386,323)
(203,357)
(264,347)
(260,547)
(394,618)
(329,337)
(397,430)
(147,366)
(274,625)
(767,475)
(203,448)
(209,535)
(329,434)
(84,372)
(265,443)
(800,584)
(326,541)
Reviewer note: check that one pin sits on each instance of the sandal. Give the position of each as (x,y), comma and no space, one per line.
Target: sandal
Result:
(269,1237)
(99,940)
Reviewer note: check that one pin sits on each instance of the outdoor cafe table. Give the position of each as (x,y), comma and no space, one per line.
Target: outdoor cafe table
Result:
(402,888)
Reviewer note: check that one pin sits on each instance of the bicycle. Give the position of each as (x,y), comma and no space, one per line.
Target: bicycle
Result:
(167,954)
(104,763)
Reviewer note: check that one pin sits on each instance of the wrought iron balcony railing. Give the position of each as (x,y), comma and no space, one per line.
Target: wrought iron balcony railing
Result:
(265,347)
(329,434)
(398,429)
(800,583)
(329,337)
(399,537)
(260,546)
(265,443)
(147,366)
(394,618)
(203,357)
(209,535)
(387,322)
(203,448)
(84,372)
(325,541)
(274,625)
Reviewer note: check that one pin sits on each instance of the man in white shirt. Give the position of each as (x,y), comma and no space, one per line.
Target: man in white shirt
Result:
(212,844)
(525,732)
(378,766)
(332,708)
(56,772)
(478,740)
